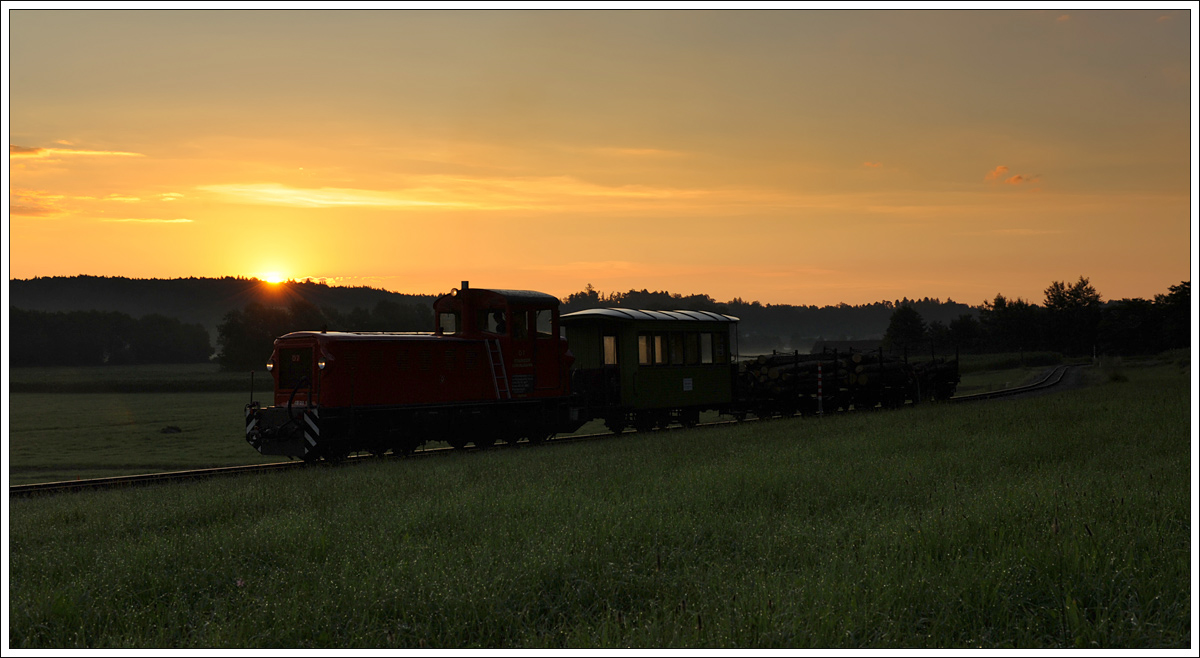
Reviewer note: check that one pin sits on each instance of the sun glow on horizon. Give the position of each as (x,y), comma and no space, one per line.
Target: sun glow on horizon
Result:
(272,277)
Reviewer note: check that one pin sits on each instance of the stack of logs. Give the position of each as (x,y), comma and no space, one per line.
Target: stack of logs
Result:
(864,379)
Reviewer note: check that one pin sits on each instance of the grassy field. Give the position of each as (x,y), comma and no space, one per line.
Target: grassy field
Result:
(185,378)
(1056,521)
(55,437)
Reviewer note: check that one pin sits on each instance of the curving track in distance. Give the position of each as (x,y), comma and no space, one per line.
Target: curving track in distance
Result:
(1052,379)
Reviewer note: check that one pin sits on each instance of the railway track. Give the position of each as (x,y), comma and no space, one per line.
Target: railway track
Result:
(1051,379)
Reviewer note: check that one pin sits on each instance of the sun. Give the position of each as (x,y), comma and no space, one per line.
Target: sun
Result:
(273,277)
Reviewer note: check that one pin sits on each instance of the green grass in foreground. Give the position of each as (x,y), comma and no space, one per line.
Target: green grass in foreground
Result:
(1057,521)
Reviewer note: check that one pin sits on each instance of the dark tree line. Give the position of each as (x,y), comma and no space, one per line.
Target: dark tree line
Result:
(246,335)
(1073,319)
(192,300)
(784,326)
(92,338)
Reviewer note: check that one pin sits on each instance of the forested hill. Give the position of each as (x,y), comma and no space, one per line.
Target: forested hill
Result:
(203,301)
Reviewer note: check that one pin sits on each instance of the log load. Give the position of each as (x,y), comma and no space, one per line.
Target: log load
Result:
(788,383)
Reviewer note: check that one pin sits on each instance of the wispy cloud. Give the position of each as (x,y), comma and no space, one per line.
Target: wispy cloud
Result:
(449,192)
(1024,232)
(996,173)
(149,220)
(638,152)
(1001,173)
(33,152)
(272,194)
(33,203)
(1022,178)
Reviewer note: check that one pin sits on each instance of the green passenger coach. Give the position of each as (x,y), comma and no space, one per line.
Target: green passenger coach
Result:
(652,368)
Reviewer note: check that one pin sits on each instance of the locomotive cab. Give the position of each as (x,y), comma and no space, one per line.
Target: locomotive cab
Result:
(520,329)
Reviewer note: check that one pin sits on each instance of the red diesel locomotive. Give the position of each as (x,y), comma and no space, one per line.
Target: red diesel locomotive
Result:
(496,367)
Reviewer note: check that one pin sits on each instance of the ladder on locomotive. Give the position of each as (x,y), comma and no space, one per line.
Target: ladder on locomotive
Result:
(499,375)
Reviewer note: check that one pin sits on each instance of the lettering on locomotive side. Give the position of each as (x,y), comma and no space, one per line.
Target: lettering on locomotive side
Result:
(522,384)
(524,363)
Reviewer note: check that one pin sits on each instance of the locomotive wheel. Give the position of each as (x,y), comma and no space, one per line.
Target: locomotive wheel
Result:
(615,425)
(540,437)
(336,456)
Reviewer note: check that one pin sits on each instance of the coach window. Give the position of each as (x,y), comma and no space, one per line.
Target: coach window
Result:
(660,354)
(720,348)
(706,348)
(643,350)
(610,350)
(692,346)
(676,348)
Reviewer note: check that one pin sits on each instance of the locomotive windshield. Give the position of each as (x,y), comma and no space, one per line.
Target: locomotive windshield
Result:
(295,366)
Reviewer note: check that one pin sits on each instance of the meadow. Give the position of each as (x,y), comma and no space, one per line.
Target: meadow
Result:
(1056,521)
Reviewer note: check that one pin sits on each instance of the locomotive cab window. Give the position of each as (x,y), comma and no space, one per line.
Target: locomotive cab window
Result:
(544,323)
(519,326)
(295,367)
(493,321)
(449,323)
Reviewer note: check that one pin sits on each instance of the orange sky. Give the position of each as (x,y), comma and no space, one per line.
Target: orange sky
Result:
(799,157)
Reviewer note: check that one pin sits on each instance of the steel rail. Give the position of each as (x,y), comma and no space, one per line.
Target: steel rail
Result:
(1049,380)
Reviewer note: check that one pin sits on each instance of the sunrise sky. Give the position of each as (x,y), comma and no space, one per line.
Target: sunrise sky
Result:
(798,157)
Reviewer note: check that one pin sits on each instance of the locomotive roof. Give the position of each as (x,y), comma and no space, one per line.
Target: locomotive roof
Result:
(365,335)
(629,314)
(531,297)
(523,296)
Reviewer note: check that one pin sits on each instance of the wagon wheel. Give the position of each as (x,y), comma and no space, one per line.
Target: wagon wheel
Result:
(486,442)
(690,418)
(644,423)
(379,449)
(456,443)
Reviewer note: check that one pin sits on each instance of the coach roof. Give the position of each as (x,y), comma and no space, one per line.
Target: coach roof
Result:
(630,315)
